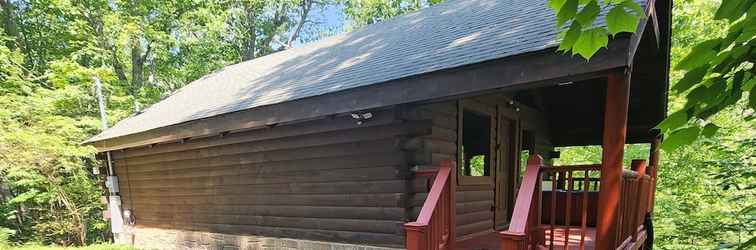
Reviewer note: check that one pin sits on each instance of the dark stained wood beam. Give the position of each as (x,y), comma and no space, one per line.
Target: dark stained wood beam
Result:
(530,70)
(615,131)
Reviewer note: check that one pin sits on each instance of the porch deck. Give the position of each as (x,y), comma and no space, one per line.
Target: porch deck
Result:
(492,240)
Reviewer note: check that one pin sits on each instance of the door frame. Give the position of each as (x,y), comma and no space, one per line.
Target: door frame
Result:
(507,156)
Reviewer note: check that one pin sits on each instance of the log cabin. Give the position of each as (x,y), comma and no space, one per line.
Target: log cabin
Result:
(433,130)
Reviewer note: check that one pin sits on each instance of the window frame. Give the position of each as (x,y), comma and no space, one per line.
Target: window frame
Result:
(482,109)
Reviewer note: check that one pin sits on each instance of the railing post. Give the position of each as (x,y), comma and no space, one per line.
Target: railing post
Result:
(453,205)
(435,225)
(514,241)
(615,128)
(653,162)
(416,237)
(526,212)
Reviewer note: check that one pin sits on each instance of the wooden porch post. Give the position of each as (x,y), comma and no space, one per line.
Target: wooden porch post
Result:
(615,128)
(653,162)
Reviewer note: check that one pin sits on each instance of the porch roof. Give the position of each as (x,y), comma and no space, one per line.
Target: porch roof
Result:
(446,36)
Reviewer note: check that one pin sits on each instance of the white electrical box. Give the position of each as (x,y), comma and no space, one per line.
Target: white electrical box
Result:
(116,218)
(112,183)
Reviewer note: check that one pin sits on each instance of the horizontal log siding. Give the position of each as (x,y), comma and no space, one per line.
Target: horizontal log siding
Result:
(473,202)
(327,179)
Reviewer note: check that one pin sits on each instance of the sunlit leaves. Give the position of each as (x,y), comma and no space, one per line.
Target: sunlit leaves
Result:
(588,14)
(570,37)
(585,38)
(679,137)
(709,130)
(718,70)
(732,9)
(700,54)
(567,12)
(691,78)
(556,4)
(590,41)
(619,20)
(675,120)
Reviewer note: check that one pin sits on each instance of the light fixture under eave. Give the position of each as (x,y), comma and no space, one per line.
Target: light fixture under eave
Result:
(362,117)
(564,83)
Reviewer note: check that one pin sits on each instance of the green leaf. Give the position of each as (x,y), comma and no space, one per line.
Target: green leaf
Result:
(734,95)
(730,59)
(567,12)
(699,55)
(556,5)
(570,37)
(709,130)
(673,121)
(748,32)
(748,244)
(691,78)
(731,9)
(618,20)
(635,7)
(589,42)
(588,14)
(752,99)
(680,137)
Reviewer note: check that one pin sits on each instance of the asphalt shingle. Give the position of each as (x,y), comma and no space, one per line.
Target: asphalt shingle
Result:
(447,35)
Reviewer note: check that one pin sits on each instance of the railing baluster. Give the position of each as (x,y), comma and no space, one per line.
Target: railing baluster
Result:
(552,207)
(569,210)
(584,219)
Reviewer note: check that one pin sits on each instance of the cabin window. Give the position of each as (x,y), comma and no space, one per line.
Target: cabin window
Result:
(476,144)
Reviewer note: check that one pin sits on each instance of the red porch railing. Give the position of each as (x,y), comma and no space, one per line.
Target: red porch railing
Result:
(434,226)
(556,207)
(634,204)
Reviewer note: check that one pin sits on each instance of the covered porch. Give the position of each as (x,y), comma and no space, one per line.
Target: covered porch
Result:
(598,206)
(602,206)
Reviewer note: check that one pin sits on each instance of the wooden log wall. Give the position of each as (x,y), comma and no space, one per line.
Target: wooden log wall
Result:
(328,179)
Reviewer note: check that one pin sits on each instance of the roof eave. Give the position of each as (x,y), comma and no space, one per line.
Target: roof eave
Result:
(529,70)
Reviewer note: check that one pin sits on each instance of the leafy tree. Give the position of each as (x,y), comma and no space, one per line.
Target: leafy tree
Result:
(364,12)
(707,183)
(718,71)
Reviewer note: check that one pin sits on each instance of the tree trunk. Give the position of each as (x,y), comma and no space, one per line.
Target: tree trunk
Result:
(9,23)
(138,59)
(248,50)
(305,7)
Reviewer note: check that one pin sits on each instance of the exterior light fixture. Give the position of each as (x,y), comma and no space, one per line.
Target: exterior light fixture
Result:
(362,117)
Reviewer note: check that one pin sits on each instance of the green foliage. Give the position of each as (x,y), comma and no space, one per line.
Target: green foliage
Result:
(50,52)
(718,70)
(91,247)
(705,194)
(364,12)
(5,237)
(578,17)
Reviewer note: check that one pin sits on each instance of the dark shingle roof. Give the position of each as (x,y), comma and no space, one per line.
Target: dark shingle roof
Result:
(447,35)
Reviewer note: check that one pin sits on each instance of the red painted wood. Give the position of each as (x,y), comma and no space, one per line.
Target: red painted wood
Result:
(568,212)
(615,132)
(584,219)
(552,211)
(434,227)
(653,161)
(526,213)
